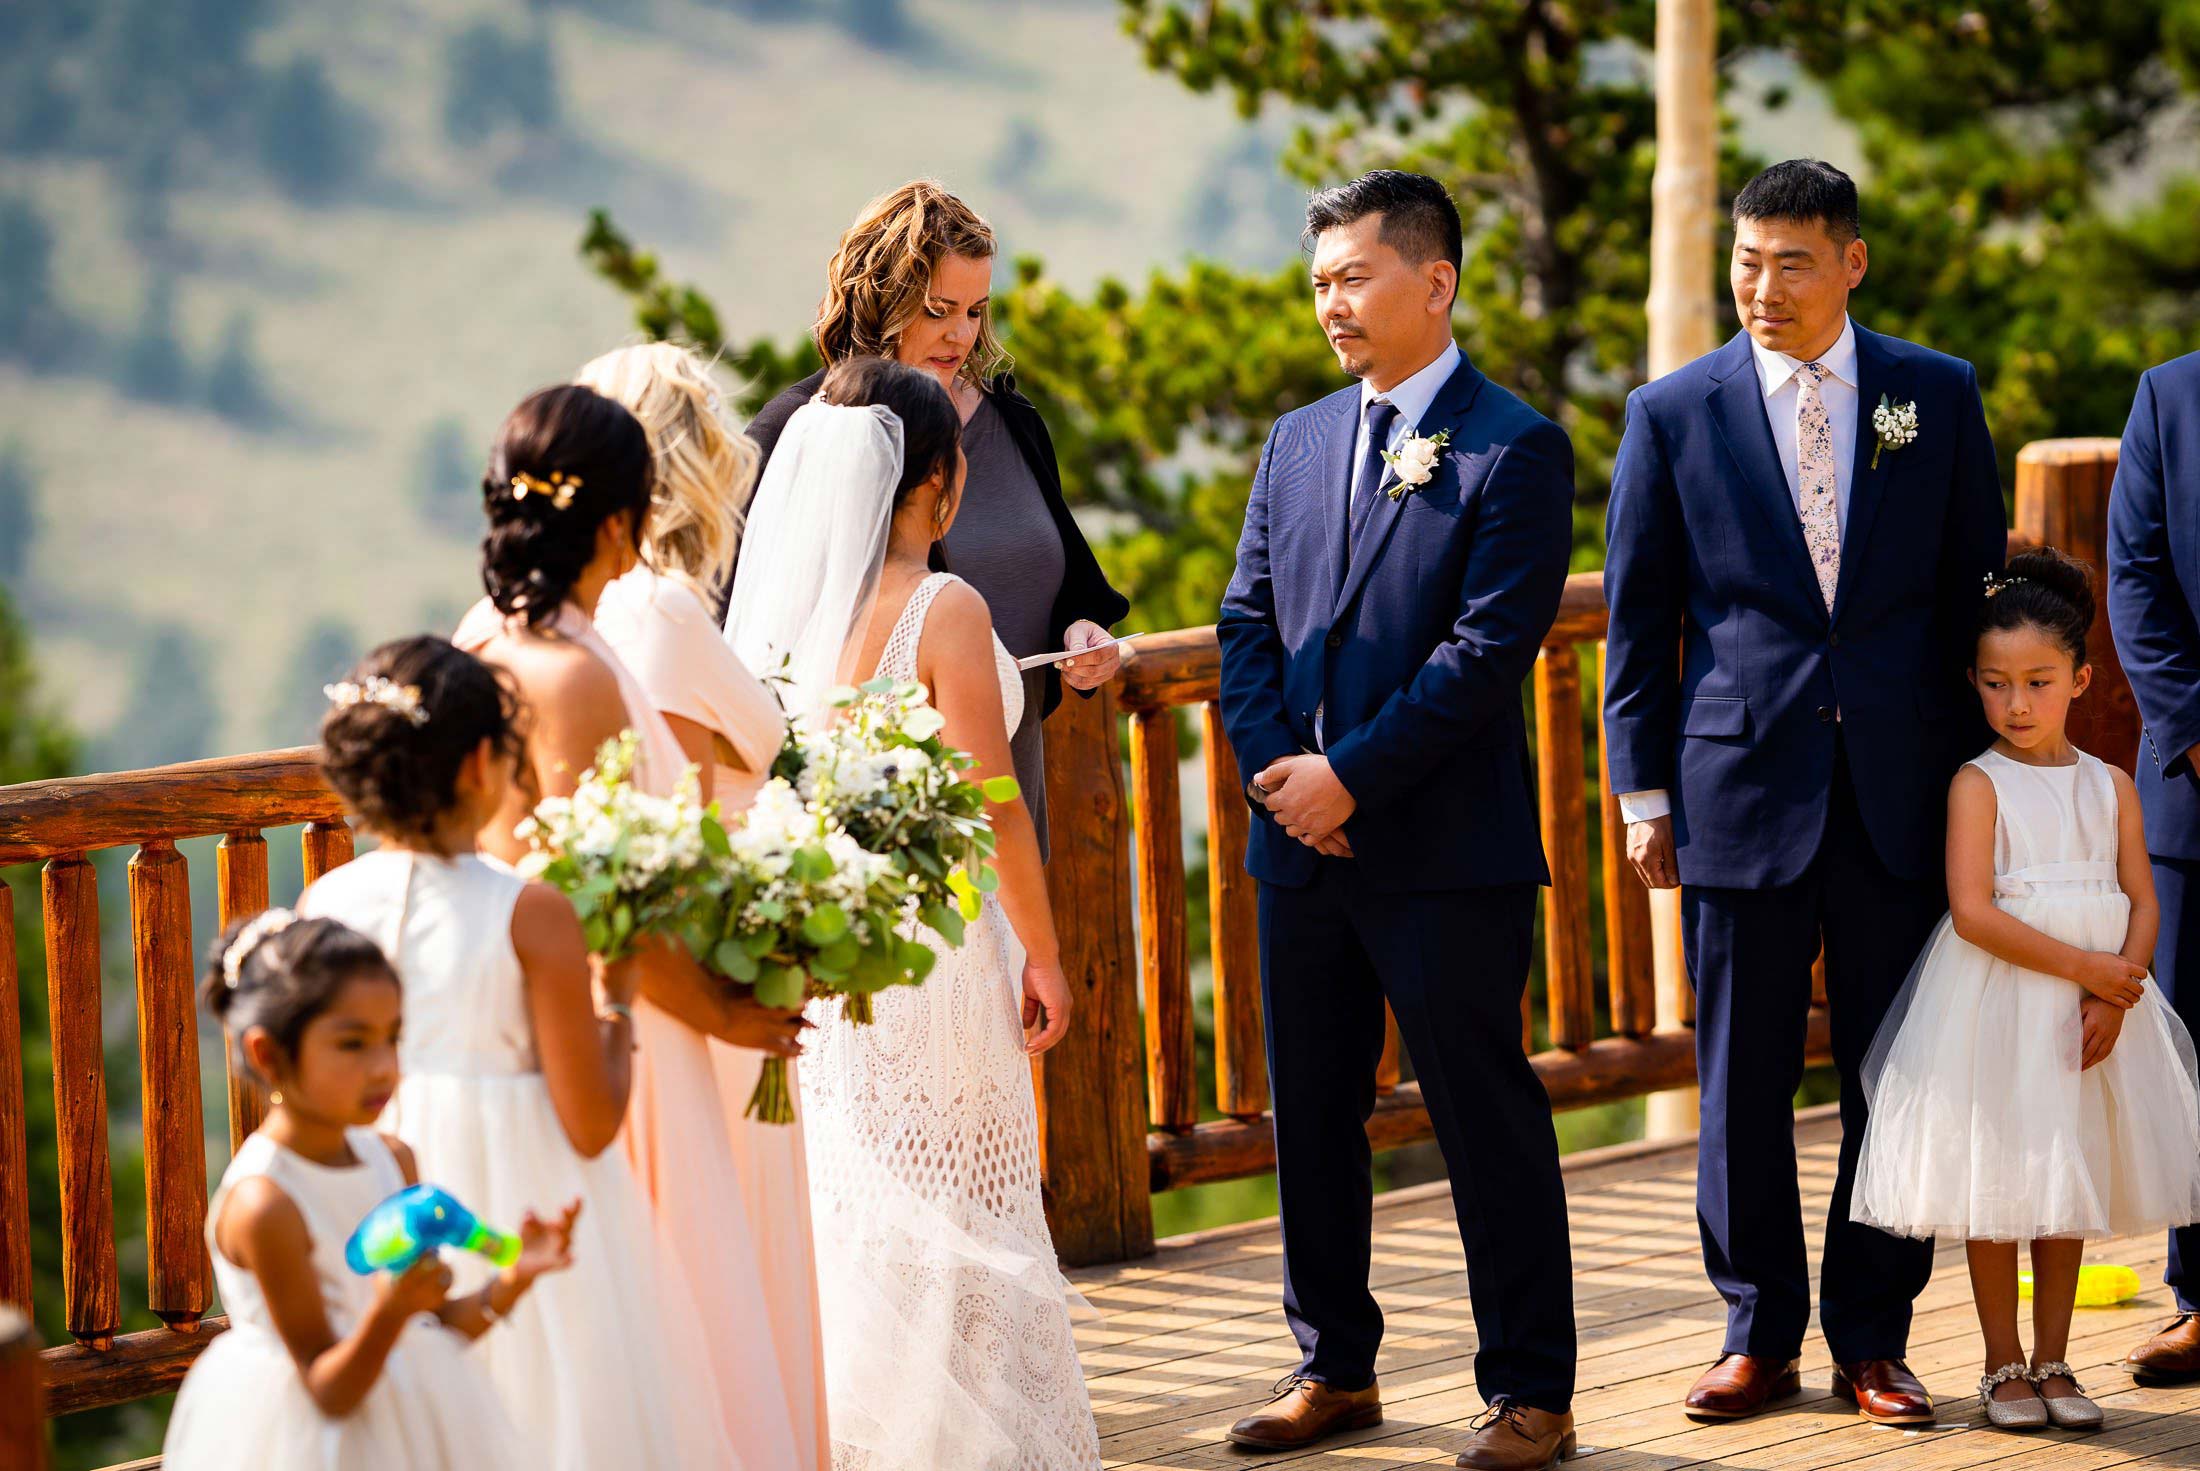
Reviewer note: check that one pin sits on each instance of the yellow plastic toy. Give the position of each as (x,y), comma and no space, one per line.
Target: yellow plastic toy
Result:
(2100,1284)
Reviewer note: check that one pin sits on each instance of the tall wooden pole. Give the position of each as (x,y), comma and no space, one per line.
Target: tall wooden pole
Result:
(1683,250)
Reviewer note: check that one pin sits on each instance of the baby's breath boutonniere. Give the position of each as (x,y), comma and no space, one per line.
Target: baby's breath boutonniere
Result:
(1414,461)
(1895,424)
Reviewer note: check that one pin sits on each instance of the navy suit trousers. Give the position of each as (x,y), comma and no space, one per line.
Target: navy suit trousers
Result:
(2177,970)
(1749,956)
(1452,964)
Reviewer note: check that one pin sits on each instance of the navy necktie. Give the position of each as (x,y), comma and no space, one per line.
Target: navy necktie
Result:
(1367,483)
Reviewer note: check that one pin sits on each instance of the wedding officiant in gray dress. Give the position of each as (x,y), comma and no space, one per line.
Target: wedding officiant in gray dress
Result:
(912,280)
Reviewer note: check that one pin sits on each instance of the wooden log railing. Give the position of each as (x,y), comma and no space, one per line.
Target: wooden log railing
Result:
(1123,1109)
(1593,1057)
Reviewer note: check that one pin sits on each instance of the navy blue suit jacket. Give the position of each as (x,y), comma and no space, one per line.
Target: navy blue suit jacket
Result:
(1414,650)
(1724,670)
(2154,595)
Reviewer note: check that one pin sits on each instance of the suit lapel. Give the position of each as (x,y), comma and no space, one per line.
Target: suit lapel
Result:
(1876,374)
(1738,409)
(1333,497)
(1448,411)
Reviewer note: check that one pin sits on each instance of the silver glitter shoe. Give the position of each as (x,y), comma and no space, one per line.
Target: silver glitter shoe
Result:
(2069,1411)
(2015,1414)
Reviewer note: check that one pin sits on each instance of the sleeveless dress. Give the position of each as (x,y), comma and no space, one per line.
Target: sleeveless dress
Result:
(662,632)
(947,1320)
(603,1363)
(676,1136)
(1983,1125)
(243,1406)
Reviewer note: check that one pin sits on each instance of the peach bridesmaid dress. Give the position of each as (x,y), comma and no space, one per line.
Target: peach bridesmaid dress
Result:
(677,1140)
(667,638)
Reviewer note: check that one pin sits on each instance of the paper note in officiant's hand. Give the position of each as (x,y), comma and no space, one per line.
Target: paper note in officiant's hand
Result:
(1040,661)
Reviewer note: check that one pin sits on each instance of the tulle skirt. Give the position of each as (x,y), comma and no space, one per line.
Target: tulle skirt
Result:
(244,1408)
(602,1364)
(1983,1126)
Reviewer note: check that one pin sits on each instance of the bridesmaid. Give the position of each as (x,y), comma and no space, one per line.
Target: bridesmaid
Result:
(912,280)
(657,620)
(567,496)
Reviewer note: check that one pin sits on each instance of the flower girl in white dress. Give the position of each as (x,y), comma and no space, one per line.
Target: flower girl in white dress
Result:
(516,1081)
(325,1369)
(2030,1084)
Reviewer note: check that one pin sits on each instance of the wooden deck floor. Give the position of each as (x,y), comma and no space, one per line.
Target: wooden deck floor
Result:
(1186,1341)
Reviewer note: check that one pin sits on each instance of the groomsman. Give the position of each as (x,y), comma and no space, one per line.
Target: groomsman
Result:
(1405,545)
(1792,594)
(2154,611)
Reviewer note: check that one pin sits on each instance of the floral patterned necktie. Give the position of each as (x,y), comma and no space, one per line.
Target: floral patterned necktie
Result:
(1815,478)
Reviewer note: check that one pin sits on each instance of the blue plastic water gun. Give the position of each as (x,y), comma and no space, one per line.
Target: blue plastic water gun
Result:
(417,1220)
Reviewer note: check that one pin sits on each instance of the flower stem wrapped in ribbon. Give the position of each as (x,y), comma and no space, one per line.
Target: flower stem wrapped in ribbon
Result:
(632,863)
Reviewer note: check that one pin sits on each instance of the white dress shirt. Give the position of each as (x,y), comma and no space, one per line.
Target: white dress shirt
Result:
(1776,374)
(1412,399)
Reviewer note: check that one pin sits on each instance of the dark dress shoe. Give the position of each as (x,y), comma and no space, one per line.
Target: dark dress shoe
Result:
(1739,1385)
(2171,1356)
(1885,1391)
(1303,1411)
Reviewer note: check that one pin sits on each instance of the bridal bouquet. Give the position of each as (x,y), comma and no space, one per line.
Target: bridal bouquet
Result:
(630,862)
(798,908)
(881,773)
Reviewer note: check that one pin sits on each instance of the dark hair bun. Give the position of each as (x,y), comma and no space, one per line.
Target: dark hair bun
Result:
(2044,589)
(399,773)
(567,460)
(286,975)
(930,426)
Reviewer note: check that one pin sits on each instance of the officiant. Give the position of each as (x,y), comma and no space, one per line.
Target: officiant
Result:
(912,280)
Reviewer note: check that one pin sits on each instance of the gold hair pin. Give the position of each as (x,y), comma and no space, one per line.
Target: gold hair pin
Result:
(558,488)
(2000,584)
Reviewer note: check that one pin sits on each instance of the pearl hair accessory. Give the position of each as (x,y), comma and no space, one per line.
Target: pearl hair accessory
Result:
(270,923)
(403,698)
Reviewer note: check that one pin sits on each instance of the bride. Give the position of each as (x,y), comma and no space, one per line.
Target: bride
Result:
(946,1318)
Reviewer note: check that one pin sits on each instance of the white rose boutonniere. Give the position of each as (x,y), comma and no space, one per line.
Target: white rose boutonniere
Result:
(1895,424)
(1414,461)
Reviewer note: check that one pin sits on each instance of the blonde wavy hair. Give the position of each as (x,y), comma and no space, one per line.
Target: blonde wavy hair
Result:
(704,469)
(881,276)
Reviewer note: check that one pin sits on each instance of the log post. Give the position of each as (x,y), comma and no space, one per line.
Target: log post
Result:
(325,845)
(240,881)
(179,1278)
(22,1394)
(1569,985)
(90,1291)
(1164,965)
(15,1197)
(1684,224)
(1629,969)
(1092,1115)
(1233,909)
(2062,502)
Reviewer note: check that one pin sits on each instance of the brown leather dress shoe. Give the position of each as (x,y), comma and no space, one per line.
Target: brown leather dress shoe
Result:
(2171,1356)
(1885,1391)
(1739,1385)
(1512,1437)
(1303,1411)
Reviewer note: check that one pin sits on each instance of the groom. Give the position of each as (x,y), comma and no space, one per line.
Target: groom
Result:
(1404,549)
(1792,597)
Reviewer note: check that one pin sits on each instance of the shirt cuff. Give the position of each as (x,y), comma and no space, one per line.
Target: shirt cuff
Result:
(1645,806)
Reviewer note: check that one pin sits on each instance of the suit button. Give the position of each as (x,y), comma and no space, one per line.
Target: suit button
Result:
(1825,714)
(1335,640)
(1833,640)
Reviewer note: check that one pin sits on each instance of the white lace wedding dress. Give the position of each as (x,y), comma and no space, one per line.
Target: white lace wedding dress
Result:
(946,1318)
